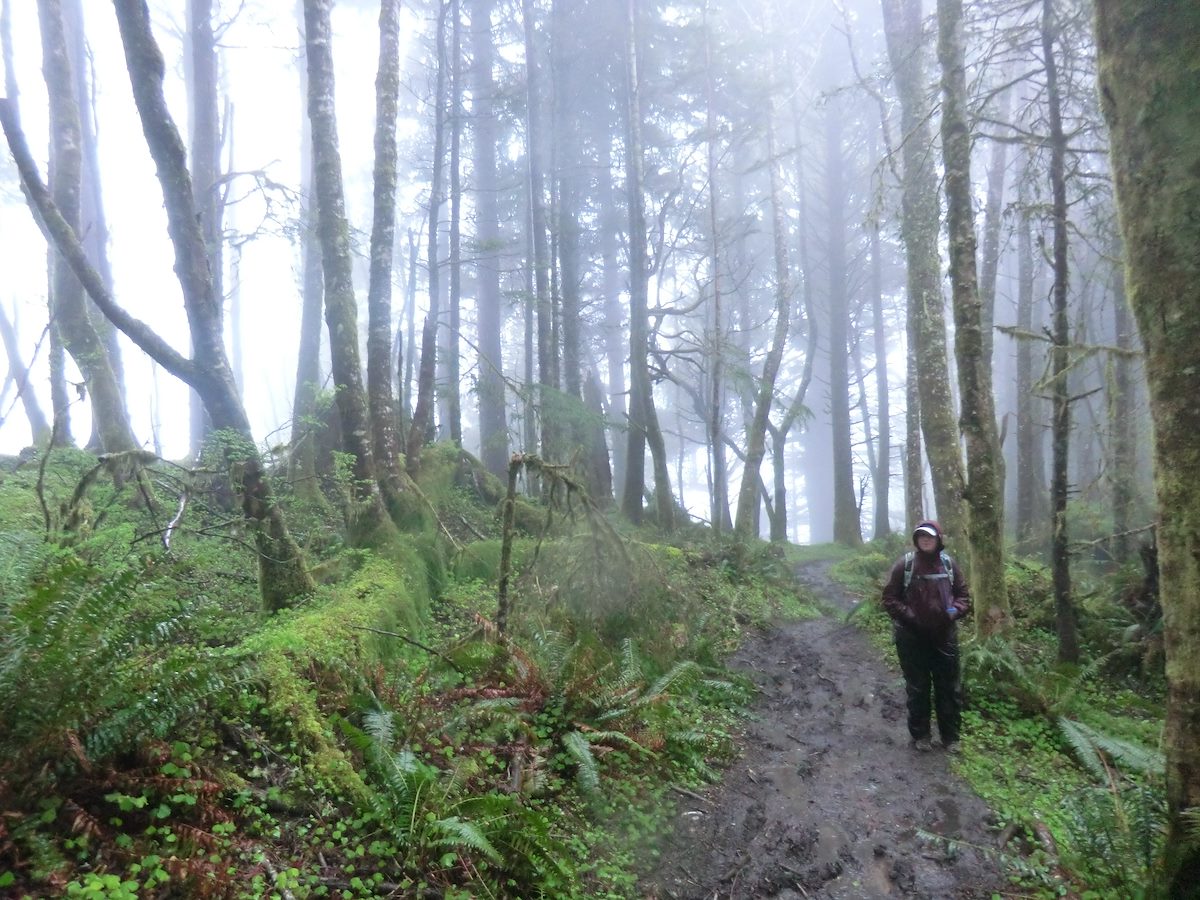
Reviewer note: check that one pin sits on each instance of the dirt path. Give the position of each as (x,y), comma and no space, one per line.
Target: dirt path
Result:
(828,800)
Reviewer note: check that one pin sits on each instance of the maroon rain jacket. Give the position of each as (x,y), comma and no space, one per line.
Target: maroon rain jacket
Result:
(923,605)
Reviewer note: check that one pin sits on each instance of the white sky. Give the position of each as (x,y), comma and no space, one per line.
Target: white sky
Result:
(260,72)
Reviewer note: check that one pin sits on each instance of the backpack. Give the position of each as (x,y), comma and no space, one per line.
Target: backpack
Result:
(947,564)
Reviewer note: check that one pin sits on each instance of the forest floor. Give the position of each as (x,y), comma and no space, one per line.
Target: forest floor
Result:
(829,799)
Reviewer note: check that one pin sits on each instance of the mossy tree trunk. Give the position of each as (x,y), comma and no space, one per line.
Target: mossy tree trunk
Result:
(67,298)
(919,230)
(306,425)
(985,513)
(341,310)
(1060,563)
(381,401)
(1149,53)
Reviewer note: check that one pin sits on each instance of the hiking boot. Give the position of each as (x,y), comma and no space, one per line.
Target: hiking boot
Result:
(922,745)
(953,747)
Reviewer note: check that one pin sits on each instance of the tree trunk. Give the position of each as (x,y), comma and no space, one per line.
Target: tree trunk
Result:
(883,455)
(341,310)
(919,230)
(985,504)
(1121,421)
(380,398)
(305,415)
(68,305)
(94,224)
(535,157)
(39,428)
(643,418)
(423,413)
(847,528)
(1147,53)
(615,348)
(452,424)
(748,495)
(1060,561)
(1029,460)
(993,218)
(204,133)
(568,165)
(493,424)
(715,420)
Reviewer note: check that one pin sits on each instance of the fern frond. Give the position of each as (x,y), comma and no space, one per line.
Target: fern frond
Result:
(454,832)
(615,737)
(380,724)
(678,678)
(631,672)
(587,771)
(1191,821)
(1088,743)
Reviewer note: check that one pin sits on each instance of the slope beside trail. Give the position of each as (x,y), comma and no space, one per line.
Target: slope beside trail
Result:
(828,799)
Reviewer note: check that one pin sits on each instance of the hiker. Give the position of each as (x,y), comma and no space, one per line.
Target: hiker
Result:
(926,597)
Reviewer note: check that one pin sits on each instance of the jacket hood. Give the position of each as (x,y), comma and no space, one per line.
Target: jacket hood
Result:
(937,530)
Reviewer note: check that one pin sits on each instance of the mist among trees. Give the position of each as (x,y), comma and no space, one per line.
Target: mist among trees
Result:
(795,272)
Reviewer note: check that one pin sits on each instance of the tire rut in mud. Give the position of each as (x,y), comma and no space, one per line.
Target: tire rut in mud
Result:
(828,799)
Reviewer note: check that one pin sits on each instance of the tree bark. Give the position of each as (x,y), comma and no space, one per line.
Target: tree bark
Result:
(68,306)
(1151,99)
(716,346)
(204,132)
(748,495)
(1121,421)
(985,511)
(452,420)
(1029,460)
(493,424)
(919,230)
(39,427)
(883,455)
(423,413)
(1060,561)
(643,418)
(847,528)
(368,517)
(380,397)
(535,157)
(305,414)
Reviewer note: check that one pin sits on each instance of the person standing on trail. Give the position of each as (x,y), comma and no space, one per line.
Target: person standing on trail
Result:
(926,596)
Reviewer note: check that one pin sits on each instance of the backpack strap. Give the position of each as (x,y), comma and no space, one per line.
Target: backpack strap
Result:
(947,564)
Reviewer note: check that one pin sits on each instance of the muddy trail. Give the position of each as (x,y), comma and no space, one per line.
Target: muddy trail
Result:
(828,799)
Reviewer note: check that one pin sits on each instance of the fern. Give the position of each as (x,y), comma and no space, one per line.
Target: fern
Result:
(1191,821)
(680,676)
(453,832)
(587,770)
(89,653)
(1088,744)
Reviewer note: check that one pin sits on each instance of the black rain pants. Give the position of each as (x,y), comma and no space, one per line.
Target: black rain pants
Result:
(931,662)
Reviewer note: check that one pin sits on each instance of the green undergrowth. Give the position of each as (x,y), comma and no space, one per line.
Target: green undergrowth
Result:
(1068,757)
(164,736)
